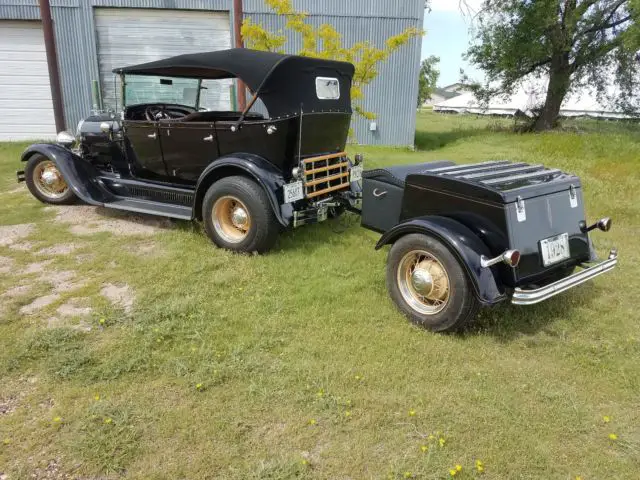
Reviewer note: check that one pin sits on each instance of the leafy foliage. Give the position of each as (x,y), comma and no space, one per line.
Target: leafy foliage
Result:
(429,75)
(574,42)
(326,42)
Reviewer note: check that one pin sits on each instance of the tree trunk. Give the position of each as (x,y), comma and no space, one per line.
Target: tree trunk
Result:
(559,82)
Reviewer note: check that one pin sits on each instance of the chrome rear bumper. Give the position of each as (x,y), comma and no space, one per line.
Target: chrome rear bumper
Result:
(531,297)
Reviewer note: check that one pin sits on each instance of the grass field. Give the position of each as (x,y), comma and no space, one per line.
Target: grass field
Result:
(296,364)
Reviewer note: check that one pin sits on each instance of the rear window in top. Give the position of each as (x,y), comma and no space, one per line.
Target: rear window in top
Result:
(327,88)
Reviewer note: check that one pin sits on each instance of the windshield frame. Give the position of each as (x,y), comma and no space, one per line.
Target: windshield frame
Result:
(123,91)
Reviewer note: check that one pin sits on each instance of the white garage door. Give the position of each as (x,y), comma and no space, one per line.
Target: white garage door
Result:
(128,36)
(26,109)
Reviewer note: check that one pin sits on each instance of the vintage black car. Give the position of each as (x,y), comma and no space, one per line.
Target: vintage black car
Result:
(463,236)
(246,175)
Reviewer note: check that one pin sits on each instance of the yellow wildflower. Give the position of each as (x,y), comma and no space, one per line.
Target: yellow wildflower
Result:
(613,436)
(347,413)
(320,393)
(432,437)
(199,386)
(101,321)
(57,419)
(453,472)
(606,419)
(479,466)
(304,461)
(408,475)
(6,441)
(578,477)
(412,413)
(442,441)
(358,377)
(107,420)
(458,468)
(312,422)
(424,448)
(96,397)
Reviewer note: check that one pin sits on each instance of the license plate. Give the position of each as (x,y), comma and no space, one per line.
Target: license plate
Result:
(293,192)
(554,249)
(356,173)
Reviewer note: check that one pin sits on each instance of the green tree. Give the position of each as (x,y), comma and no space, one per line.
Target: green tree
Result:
(325,42)
(428,80)
(573,43)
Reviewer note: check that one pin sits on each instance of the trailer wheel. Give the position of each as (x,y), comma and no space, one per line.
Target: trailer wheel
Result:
(429,285)
(46,183)
(237,216)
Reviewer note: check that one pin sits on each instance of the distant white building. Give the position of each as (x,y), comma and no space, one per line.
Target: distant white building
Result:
(526,99)
(441,94)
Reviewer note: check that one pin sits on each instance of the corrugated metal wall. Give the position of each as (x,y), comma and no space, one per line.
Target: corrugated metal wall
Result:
(391,96)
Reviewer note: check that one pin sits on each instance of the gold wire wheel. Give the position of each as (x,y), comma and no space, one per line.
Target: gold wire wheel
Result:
(423,282)
(48,180)
(231,219)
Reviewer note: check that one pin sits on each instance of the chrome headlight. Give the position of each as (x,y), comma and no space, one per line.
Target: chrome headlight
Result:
(65,139)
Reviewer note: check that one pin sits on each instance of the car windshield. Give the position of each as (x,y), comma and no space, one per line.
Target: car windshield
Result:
(214,94)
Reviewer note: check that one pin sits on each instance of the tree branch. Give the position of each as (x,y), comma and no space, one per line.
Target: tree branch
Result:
(599,28)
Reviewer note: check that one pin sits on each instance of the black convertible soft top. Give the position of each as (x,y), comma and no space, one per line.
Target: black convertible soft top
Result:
(285,83)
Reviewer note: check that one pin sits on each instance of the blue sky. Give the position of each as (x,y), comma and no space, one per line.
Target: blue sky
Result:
(448,38)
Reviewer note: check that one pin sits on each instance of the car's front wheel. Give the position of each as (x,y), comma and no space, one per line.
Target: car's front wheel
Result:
(428,284)
(45,181)
(237,216)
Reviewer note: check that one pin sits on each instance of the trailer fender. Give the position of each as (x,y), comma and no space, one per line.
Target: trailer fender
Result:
(256,168)
(464,244)
(79,174)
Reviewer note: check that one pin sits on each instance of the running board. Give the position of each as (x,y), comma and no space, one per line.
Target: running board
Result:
(151,208)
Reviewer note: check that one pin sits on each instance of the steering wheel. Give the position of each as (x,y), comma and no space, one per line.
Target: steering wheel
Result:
(153,113)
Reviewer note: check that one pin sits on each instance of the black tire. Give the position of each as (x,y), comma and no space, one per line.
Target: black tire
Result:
(39,189)
(262,227)
(451,313)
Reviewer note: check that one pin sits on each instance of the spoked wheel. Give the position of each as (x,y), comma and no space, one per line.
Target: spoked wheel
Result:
(429,285)
(423,282)
(237,216)
(231,219)
(45,181)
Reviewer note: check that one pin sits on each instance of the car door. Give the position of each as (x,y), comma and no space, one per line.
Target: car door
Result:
(188,147)
(144,149)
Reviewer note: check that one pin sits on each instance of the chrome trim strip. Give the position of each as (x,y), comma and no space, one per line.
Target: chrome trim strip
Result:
(531,297)
(522,167)
(551,171)
(462,167)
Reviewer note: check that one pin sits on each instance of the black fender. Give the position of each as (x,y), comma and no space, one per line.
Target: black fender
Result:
(464,244)
(262,171)
(79,174)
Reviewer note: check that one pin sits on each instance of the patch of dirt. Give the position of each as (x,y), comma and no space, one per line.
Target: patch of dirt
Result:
(18,291)
(62,281)
(8,405)
(119,295)
(21,188)
(10,234)
(146,249)
(6,264)
(23,246)
(72,308)
(60,249)
(87,220)
(38,304)
(37,267)
(85,257)
(50,472)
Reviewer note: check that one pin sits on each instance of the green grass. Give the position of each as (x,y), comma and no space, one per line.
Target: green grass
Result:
(297,365)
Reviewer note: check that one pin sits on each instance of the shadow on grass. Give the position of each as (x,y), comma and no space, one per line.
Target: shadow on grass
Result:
(426,140)
(508,322)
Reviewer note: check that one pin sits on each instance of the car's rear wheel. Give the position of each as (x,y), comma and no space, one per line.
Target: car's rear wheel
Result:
(45,181)
(237,216)
(428,284)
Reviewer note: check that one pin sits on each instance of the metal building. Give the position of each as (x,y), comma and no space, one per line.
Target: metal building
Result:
(93,36)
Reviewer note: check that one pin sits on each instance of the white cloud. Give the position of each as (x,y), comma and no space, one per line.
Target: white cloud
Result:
(455,5)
